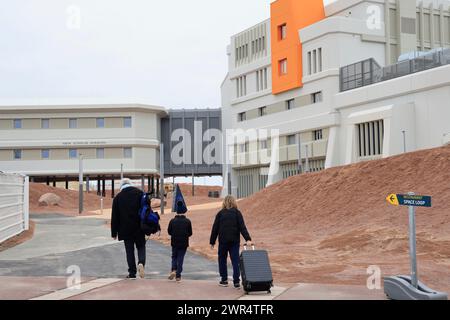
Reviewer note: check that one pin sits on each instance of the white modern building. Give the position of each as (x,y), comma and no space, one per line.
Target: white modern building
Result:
(44,142)
(352,81)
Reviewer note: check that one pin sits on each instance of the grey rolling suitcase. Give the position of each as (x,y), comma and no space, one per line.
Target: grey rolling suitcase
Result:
(255,270)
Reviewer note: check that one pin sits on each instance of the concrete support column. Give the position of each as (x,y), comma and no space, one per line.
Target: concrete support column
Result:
(98,186)
(112,187)
(142,183)
(103,187)
(87,184)
(54,182)
(67,183)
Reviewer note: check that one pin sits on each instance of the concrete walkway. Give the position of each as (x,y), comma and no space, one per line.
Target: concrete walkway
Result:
(41,268)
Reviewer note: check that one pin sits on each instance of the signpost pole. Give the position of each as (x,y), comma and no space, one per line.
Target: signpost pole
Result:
(161,173)
(80,185)
(412,244)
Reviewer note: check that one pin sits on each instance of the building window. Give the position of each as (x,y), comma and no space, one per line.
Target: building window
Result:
(309,63)
(127,153)
(282,32)
(244,147)
(100,153)
(261,79)
(17,154)
(319,59)
(73,154)
(45,123)
(370,137)
(290,104)
(291,140)
(73,123)
(316,97)
(241,86)
(317,135)
(242,116)
(100,122)
(127,123)
(17,123)
(262,111)
(263,144)
(45,154)
(282,67)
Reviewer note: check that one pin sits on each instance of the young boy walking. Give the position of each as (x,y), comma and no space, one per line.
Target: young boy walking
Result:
(180,229)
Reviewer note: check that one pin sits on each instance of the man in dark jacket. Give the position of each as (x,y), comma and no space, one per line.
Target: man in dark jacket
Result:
(228,226)
(180,229)
(125,225)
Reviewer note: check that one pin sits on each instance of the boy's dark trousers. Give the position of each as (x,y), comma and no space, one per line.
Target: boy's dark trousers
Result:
(139,242)
(177,260)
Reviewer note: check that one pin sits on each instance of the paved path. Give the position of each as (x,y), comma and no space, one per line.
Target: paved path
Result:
(61,242)
(37,269)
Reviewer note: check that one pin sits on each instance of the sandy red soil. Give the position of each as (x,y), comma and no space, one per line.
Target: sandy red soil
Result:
(329,227)
(69,201)
(21,238)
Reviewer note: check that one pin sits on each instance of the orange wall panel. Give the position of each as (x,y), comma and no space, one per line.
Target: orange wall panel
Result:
(296,14)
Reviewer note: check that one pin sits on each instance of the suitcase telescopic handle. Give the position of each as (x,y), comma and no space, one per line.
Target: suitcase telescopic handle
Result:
(245,247)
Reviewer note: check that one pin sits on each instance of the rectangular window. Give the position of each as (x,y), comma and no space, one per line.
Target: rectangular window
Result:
(242,116)
(73,154)
(314,61)
(244,147)
(263,144)
(127,153)
(73,124)
(319,59)
(262,111)
(370,137)
(45,123)
(290,104)
(17,154)
(291,140)
(100,122)
(45,154)
(282,32)
(316,97)
(100,153)
(318,135)
(17,123)
(283,67)
(309,63)
(127,123)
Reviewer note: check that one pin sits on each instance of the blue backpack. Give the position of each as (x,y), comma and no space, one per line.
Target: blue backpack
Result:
(149,218)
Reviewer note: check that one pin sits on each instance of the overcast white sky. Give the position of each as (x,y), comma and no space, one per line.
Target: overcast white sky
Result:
(169,53)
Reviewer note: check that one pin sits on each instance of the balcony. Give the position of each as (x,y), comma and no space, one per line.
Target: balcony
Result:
(368,71)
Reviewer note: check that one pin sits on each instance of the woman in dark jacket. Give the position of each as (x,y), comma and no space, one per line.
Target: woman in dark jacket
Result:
(228,227)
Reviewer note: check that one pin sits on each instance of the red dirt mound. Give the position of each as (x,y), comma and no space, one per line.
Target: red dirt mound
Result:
(329,227)
(69,200)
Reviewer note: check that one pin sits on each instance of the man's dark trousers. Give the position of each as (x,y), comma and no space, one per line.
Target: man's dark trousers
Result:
(178,255)
(233,249)
(139,242)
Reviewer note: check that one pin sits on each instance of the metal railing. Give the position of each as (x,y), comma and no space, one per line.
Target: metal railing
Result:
(368,71)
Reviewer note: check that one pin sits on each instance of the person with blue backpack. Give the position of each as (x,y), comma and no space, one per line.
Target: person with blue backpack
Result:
(131,221)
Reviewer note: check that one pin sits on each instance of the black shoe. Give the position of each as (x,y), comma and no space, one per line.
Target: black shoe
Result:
(131,277)
(237,285)
(223,283)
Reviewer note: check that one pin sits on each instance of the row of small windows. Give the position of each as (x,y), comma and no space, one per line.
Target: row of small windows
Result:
(315,63)
(316,97)
(370,136)
(73,153)
(290,141)
(73,123)
(241,86)
(242,52)
(261,79)
(259,45)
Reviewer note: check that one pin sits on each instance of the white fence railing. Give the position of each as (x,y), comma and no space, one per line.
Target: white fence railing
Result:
(14,205)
